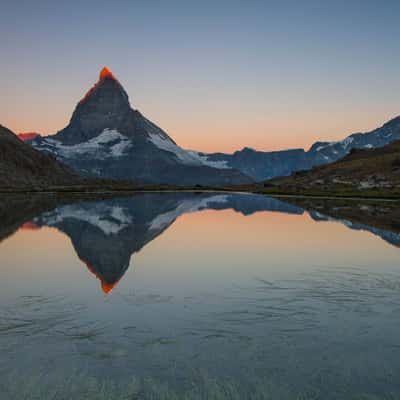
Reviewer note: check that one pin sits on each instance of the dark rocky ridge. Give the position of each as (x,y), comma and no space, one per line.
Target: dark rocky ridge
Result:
(23,166)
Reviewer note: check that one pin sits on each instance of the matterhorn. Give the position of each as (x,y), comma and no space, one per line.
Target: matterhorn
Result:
(108,138)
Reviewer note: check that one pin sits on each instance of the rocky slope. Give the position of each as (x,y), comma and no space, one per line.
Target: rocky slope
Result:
(21,166)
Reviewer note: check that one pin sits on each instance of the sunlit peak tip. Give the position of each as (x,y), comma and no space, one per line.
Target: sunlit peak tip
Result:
(106,287)
(106,73)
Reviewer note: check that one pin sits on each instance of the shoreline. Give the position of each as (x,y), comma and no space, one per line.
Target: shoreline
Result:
(79,191)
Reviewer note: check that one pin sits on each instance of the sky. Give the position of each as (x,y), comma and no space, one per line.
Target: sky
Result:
(216,75)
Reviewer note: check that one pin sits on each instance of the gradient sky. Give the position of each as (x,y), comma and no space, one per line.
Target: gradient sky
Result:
(216,75)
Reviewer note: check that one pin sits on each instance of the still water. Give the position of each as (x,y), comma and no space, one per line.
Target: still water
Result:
(197,296)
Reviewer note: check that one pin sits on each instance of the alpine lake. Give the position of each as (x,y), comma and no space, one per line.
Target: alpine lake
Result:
(199,296)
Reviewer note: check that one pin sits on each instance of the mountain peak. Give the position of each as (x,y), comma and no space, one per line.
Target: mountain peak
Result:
(106,286)
(106,73)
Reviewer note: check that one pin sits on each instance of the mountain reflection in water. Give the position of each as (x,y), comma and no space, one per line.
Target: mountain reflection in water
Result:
(106,233)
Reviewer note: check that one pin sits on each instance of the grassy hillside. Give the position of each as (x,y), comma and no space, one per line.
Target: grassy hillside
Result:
(22,166)
(366,173)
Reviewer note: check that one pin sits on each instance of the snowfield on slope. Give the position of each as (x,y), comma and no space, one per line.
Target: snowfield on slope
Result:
(185,207)
(187,157)
(110,220)
(110,143)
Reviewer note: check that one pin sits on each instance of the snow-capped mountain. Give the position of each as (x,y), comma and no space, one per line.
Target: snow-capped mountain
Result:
(107,138)
(333,151)
(261,165)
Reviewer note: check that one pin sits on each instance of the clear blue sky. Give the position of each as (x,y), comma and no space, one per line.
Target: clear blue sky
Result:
(217,75)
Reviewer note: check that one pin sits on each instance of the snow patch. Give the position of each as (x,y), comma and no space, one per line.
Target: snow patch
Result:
(188,157)
(110,143)
(186,206)
(328,218)
(319,148)
(164,143)
(366,184)
(203,158)
(110,220)
(345,143)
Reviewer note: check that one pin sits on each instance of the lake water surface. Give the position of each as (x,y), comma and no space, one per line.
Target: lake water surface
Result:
(197,296)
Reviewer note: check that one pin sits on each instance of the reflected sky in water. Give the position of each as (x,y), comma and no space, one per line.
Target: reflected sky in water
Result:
(196,295)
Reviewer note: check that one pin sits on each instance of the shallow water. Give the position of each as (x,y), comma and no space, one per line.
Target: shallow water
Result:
(197,296)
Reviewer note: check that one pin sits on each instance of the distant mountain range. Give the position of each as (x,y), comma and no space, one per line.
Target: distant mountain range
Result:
(373,171)
(107,138)
(262,166)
